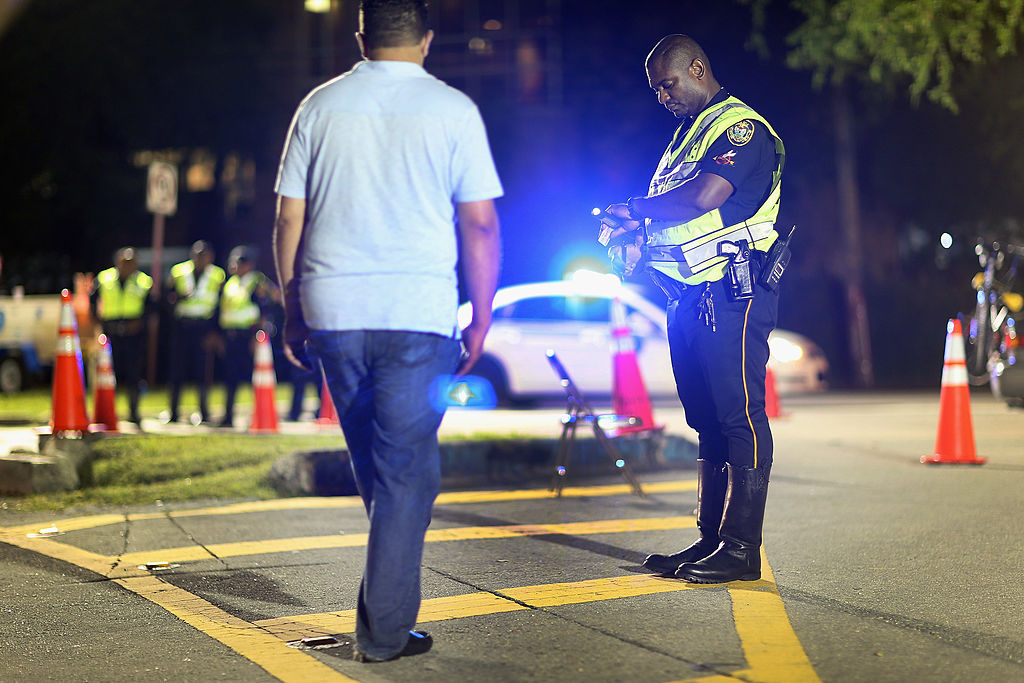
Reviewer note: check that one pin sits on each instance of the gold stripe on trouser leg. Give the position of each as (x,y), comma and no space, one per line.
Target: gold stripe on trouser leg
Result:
(743,373)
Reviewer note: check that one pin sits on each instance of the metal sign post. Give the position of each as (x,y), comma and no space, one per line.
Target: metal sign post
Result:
(161,201)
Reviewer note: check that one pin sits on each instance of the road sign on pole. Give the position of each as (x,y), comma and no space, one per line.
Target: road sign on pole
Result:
(162,188)
(161,201)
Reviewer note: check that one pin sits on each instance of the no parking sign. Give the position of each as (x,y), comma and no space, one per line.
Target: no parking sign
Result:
(162,188)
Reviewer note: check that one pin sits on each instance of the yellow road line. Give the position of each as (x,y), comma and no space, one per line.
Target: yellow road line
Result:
(255,644)
(192,553)
(252,642)
(478,604)
(769,642)
(100,564)
(770,645)
(341,502)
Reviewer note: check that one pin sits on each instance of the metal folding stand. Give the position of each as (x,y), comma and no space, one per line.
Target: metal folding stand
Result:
(577,410)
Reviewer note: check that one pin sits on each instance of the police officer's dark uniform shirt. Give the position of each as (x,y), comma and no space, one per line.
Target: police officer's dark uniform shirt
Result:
(745,156)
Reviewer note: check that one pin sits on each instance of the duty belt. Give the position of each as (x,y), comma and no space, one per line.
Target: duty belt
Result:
(696,256)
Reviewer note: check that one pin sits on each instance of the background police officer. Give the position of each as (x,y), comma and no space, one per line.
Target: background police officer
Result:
(120,304)
(240,313)
(194,291)
(715,191)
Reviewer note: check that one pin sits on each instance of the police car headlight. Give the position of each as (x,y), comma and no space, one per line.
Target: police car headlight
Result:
(785,351)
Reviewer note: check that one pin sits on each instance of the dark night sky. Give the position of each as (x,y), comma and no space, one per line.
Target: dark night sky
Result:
(84,85)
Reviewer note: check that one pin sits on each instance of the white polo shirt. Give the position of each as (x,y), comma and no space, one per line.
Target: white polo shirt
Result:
(381,154)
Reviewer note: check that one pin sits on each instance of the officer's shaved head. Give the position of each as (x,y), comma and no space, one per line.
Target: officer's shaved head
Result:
(678,51)
(679,72)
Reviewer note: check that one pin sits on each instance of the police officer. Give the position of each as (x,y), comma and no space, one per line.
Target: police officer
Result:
(239,314)
(121,303)
(194,291)
(703,231)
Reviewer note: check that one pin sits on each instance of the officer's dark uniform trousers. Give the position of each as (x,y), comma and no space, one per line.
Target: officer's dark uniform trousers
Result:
(189,359)
(238,366)
(720,374)
(126,353)
(720,377)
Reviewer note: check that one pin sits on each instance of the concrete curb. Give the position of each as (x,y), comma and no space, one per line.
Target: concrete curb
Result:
(471,464)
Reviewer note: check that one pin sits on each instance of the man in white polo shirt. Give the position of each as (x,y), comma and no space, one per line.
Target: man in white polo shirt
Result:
(386,179)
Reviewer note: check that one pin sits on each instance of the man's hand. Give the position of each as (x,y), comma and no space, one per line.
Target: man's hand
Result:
(473,339)
(295,335)
(480,254)
(289,224)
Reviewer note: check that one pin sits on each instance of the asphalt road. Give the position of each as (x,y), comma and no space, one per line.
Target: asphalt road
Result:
(880,569)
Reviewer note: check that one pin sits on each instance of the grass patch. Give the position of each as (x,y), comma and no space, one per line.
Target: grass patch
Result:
(139,470)
(34,405)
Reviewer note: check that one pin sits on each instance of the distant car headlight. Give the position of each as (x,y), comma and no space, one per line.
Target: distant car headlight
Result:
(785,351)
(590,282)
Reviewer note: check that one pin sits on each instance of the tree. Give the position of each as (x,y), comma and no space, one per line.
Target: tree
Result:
(893,42)
(923,45)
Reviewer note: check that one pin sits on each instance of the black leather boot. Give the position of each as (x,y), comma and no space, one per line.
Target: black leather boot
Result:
(711,483)
(738,558)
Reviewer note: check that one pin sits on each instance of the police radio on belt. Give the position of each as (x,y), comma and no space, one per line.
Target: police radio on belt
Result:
(776,261)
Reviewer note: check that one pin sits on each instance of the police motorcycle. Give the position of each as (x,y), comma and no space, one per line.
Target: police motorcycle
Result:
(995,354)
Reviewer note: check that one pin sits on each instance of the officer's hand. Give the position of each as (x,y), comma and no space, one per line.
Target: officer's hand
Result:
(295,335)
(213,343)
(628,225)
(626,257)
(473,340)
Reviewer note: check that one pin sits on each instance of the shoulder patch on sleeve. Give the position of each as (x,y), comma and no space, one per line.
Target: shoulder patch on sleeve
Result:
(740,133)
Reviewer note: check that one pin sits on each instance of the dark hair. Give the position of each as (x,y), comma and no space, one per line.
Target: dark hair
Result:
(393,23)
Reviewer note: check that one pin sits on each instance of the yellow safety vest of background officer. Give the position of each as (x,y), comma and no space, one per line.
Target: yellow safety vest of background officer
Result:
(703,231)
(120,304)
(240,313)
(194,291)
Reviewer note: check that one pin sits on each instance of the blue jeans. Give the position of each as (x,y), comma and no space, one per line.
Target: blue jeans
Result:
(379,381)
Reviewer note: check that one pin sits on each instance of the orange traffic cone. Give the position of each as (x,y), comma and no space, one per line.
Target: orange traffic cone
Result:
(629,396)
(328,415)
(103,410)
(68,379)
(772,406)
(264,385)
(955,441)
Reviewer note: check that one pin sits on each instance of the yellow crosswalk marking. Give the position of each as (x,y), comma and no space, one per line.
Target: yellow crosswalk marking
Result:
(478,604)
(342,502)
(770,645)
(192,553)
(255,644)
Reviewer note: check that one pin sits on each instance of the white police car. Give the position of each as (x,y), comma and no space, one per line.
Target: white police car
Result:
(573,317)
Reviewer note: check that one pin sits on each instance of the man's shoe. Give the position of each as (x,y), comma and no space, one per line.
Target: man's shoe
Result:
(419,642)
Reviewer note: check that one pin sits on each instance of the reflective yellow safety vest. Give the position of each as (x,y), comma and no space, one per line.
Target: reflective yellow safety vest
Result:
(688,251)
(237,309)
(197,299)
(122,302)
